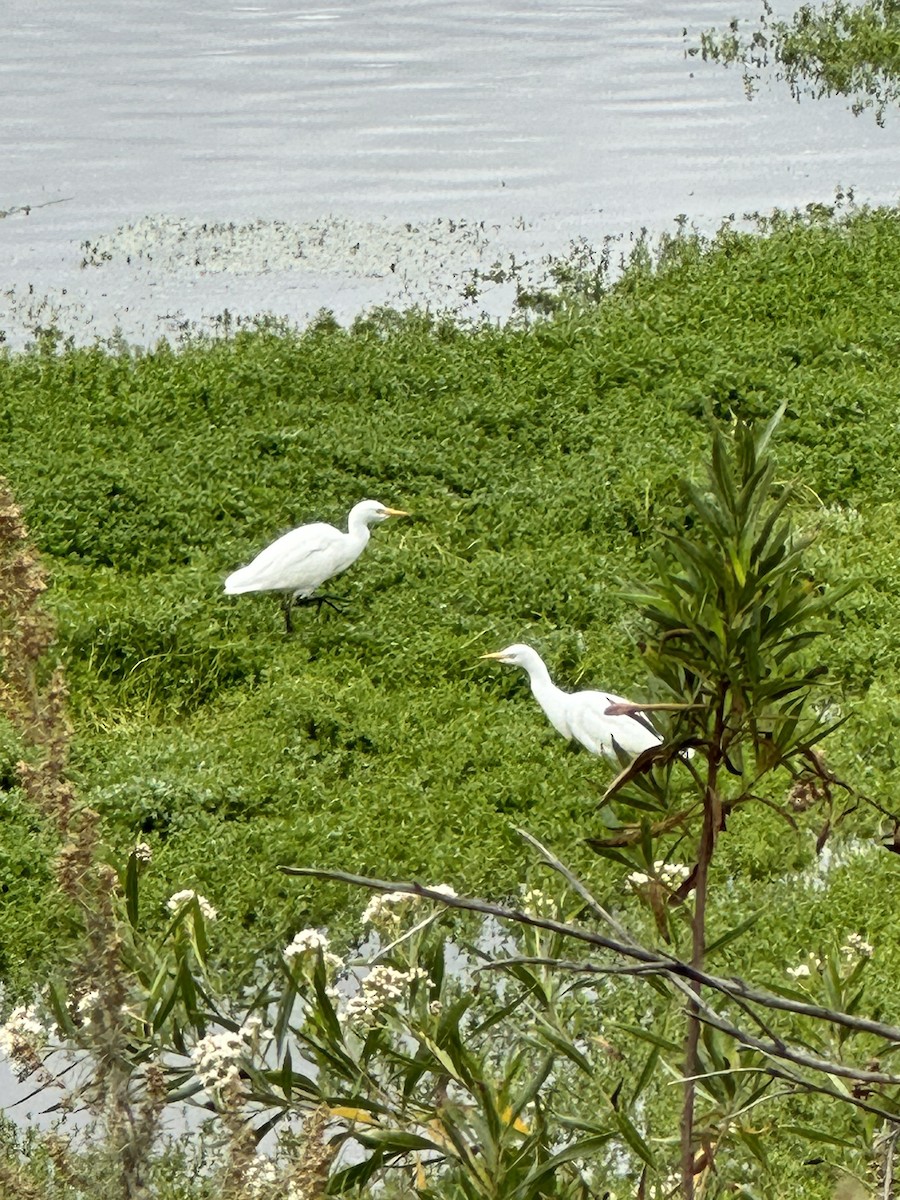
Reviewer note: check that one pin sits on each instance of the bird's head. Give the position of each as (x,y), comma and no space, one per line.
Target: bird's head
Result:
(518,654)
(373,512)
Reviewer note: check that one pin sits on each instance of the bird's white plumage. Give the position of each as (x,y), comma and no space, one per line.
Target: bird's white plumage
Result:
(301,561)
(581,715)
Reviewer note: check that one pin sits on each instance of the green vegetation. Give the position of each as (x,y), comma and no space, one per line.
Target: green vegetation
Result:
(553,1075)
(837,48)
(542,465)
(540,462)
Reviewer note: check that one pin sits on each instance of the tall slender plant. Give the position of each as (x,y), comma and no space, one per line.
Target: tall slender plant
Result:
(728,617)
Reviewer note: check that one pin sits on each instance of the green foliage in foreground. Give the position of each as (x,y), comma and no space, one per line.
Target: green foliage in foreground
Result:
(837,48)
(538,463)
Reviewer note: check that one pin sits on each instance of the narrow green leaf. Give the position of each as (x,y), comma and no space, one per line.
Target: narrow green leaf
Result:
(566,1048)
(131,890)
(287,1074)
(754,1144)
(646,1074)
(635,1141)
(732,934)
(647,1035)
(356,1176)
(809,1134)
(395,1141)
(586,1148)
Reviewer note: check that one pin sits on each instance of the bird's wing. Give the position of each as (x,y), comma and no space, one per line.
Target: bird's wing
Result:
(591,725)
(299,561)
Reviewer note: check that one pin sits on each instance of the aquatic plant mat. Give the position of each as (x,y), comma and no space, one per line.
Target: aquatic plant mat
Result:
(540,462)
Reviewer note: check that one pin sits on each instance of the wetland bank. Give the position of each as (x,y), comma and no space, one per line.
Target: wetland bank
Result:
(541,462)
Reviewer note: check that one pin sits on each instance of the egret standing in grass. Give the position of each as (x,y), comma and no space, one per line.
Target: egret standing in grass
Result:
(582,715)
(301,561)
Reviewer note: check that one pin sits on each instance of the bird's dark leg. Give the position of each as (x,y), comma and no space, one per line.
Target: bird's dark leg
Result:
(287,605)
(338,603)
(334,602)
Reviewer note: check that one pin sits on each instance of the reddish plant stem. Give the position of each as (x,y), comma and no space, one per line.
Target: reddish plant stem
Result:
(712,818)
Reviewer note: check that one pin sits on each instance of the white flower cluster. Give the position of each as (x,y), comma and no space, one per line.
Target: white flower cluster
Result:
(217,1056)
(307,941)
(262,1180)
(856,946)
(22,1036)
(142,852)
(386,908)
(310,942)
(260,1175)
(671,875)
(382,987)
(535,901)
(176,902)
(805,969)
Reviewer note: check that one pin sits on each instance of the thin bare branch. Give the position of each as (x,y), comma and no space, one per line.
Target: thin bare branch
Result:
(654,962)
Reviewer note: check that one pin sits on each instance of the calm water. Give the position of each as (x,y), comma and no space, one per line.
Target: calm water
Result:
(556,109)
(581,116)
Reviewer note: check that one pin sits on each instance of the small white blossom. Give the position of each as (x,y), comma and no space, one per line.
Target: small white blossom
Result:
(142,852)
(435,1008)
(857,947)
(671,874)
(535,901)
(86,1007)
(307,941)
(385,908)
(307,945)
(254,1030)
(217,1056)
(805,969)
(259,1176)
(382,987)
(176,902)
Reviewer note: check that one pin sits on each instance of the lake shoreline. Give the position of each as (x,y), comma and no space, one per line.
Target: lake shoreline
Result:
(170,278)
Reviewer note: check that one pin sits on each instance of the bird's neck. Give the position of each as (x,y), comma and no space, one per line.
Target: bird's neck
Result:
(551,698)
(543,688)
(358,530)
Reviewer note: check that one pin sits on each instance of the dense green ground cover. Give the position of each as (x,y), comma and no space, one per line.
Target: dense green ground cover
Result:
(539,463)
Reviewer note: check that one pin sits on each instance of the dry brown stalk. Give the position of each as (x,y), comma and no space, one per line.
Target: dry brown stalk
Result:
(33,702)
(33,699)
(309,1176)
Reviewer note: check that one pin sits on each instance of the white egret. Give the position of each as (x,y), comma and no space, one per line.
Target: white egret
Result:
(581,715)
(299,562)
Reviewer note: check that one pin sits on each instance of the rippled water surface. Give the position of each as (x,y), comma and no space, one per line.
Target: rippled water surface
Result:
(547,107)
(580,117)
